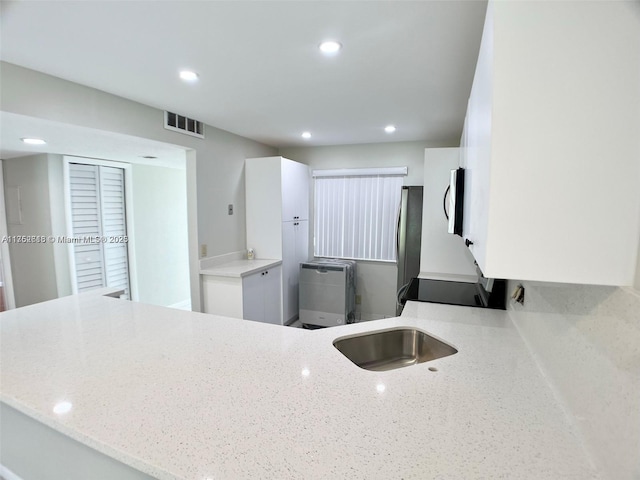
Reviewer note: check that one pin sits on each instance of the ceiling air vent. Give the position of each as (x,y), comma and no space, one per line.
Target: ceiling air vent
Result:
(182,124)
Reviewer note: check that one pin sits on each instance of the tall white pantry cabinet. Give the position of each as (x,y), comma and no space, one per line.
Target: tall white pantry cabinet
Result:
(277,197)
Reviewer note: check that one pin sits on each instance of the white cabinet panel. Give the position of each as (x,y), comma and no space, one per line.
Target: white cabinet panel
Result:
(272,294)
(253,297)
(261,296)
(263,192)
(222,295)
(289,277)
(302,244)
(295,237)
(295,193)
(550,146)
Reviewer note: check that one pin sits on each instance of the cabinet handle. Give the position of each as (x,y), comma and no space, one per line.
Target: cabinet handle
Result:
(468,242)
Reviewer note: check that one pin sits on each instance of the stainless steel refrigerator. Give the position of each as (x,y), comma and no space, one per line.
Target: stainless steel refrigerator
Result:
(409,237)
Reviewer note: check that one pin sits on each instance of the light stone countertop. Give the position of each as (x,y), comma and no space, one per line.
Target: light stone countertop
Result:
(240,268)
(182,395)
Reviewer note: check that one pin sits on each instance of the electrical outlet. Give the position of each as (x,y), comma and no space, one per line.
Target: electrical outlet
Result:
(231,209)
(358,299)
(203,250)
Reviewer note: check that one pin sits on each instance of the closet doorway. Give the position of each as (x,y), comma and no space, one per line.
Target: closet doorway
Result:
(97,225)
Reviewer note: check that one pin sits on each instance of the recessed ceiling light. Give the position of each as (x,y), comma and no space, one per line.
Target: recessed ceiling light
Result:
(330,46)
(188,75)
(33,141)
(306,135)
(389,129)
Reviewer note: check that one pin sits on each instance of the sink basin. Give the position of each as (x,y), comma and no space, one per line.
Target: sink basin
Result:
(389,349)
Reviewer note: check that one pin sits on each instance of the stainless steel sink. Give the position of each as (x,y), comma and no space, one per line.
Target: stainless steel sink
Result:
(389,349)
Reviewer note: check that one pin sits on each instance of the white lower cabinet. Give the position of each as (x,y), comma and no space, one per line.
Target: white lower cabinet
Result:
(257,296)
(261,294)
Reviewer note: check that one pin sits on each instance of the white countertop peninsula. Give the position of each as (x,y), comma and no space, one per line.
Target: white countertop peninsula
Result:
(179,395)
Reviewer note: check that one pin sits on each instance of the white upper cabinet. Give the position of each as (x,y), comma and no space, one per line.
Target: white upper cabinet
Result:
(551,143)
(295,192)
(277,190)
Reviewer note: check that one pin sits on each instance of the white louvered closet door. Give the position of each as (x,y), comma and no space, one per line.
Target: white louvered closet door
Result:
(98,210)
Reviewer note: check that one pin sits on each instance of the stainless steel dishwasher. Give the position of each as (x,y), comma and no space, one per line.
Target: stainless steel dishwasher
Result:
(327,292)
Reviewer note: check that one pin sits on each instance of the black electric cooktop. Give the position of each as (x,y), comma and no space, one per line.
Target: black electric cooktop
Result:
(457,293)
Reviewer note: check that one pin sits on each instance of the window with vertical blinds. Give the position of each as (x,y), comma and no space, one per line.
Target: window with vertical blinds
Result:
(356,213)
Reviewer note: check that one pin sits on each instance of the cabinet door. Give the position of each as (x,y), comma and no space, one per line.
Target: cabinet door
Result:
(301,190)
(295,250)
(253,297)
(222,296)
(301,252)
(263,191)
(295,191)
(302,244)
(289,271)
(477,152)
(272,295)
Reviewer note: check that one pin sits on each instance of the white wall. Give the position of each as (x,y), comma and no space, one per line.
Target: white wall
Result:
(160,230)
(376,281)
(32,264)
(397,154)
(219,158)
(441,254)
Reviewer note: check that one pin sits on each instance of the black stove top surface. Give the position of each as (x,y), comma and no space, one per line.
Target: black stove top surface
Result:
(456,293)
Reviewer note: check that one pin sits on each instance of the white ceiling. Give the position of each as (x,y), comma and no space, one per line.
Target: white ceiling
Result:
(407,63)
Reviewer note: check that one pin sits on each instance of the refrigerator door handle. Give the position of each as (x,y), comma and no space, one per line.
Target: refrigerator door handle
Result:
(401,208)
